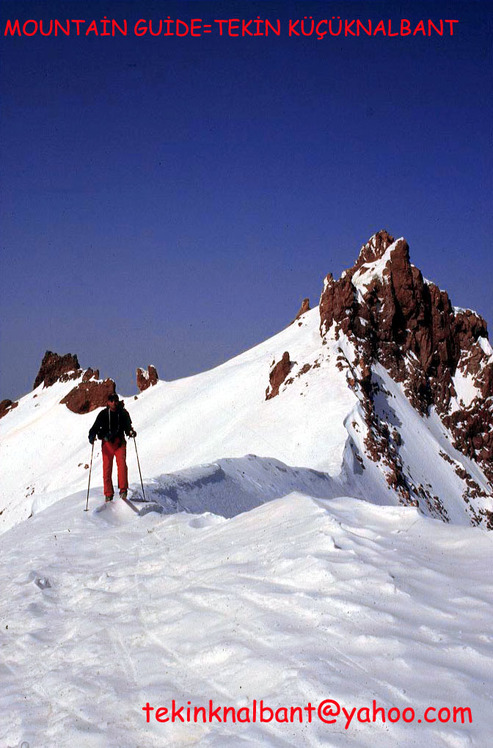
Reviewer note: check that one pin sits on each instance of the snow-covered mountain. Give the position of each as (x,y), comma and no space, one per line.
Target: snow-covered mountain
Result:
(384,389)
(313,547)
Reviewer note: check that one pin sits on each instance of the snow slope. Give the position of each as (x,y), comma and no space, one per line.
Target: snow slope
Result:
(216,414)
(296,601)
(315,423)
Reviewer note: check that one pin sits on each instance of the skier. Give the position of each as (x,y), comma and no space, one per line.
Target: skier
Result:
(110,426)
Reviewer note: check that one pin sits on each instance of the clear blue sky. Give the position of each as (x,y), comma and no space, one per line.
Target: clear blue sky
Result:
(171,201)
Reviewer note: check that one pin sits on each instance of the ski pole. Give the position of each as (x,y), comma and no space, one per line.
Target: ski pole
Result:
(89,481)
(140,473)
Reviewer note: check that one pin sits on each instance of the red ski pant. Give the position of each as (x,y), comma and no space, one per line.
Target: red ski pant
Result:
(111,450)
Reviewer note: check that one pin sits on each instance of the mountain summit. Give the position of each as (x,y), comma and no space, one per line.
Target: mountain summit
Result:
(439,353)
(384,392)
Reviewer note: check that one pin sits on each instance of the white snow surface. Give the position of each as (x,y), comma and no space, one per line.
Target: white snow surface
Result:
(281,568)
(486,347)
(465,388)
(294,602)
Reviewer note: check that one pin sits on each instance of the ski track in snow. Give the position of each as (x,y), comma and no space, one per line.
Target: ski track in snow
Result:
(297,600)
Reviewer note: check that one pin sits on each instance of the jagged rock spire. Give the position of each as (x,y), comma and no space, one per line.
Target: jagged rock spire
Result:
(54,367)
(146,379)
(375,248)
(396,317)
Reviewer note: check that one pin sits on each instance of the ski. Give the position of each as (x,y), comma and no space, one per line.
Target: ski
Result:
(130,504)
(149,506)
(144,507)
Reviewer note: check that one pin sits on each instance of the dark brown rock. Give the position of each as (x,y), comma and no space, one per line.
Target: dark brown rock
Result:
(305,307)
(278,375)
(373,250)
(487,380)
(56,368)
(6,406)
(90,374)
(89,395)
(147,378)
(338,303)
(304,370)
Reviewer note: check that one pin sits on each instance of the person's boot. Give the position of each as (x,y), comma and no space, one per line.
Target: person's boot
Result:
(123,494)
(108,498)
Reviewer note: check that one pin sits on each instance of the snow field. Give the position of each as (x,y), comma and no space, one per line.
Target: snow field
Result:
(296,601)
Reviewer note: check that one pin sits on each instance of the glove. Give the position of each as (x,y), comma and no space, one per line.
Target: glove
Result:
(92,439)
(132,433)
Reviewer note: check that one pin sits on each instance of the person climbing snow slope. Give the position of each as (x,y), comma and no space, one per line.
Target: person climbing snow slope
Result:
(111,426)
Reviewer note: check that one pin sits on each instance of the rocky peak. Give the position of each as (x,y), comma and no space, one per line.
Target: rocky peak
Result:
(89,394)
(397,318)
(56,368)
(374,249)
(305,307)
(146,379)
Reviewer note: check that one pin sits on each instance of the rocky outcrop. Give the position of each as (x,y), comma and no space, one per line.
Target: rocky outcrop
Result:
(90,374)
(146,379)
(305,307)
(373,250)
(55,368)
(338,304)
(277,375)
(6,406)
(89,395)
(396,317)
(473,433)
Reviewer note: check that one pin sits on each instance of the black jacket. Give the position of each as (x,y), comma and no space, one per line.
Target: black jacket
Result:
(110,426)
